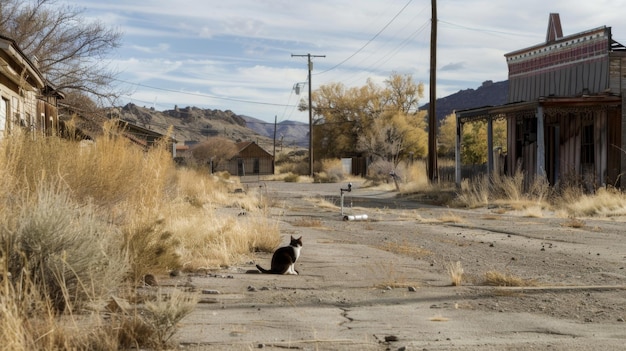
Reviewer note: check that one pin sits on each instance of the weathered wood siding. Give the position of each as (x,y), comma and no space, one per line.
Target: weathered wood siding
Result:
(617,121)
(251,160)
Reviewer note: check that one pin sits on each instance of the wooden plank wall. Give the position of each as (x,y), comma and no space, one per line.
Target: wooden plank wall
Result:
(618,121)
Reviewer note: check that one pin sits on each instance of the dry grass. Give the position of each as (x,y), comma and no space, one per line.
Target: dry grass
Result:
(438,319)
(405,248)
(455,272)
(307,222)
(604,203)
(573,223)
(533,212)
(320,202)
(450,218)
(77,220)
(504,191)
(162,315)
(392,278)
(211,240)
(495,278)
(567,201)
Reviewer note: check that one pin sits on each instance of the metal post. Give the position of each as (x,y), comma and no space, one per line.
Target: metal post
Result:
(348,189)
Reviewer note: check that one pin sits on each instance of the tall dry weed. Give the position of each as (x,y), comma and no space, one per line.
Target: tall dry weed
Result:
(605,202)
(214,240)
(76,218)
(163,315)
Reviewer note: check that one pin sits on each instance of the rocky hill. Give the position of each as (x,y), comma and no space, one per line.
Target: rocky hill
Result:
(287,132)
(192,124)
(488,94)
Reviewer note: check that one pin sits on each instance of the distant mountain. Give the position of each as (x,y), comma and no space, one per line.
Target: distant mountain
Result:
(289,132)
(192,124)
(488,94)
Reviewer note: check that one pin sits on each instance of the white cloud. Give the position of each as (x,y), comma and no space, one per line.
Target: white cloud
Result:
(241,49)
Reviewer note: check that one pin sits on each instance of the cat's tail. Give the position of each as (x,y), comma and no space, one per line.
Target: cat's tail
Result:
(263,270)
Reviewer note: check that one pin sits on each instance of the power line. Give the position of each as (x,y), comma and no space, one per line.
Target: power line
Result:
(205,95)
(369,41)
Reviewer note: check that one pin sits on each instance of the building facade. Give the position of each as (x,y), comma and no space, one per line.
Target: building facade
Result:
(565,116)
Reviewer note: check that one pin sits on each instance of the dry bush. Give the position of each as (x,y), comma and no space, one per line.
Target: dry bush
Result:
(13,332)
(486,190)
(474,193)
(198,188)
(379,171)
(291,178)
(495,278)
(606,202)
(533,212)
(76,218)
(151,248)
(71,257)
(331,171)
(292,161)
(414,177)
(163,315)
(455,271)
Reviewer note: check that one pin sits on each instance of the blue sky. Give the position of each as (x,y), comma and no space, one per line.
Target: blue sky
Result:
(236,54)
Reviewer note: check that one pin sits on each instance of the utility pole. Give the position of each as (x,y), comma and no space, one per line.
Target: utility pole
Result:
(432,114)
(274,154)
(310,67)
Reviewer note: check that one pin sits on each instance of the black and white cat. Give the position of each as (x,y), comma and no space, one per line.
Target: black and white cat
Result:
(284,258)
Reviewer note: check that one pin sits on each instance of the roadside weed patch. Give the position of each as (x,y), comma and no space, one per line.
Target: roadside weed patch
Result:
(495,278)
(455,272)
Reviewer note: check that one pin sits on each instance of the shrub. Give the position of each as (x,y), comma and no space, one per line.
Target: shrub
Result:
(163,314)
(70,256)
(151,248)
(379,170)
(291,178)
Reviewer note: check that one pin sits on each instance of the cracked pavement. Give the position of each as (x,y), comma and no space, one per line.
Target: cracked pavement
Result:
(354,293)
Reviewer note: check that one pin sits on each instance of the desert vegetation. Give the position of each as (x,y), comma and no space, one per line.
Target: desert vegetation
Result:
(84,222)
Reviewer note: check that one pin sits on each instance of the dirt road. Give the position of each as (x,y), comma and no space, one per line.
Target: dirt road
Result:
(383,284)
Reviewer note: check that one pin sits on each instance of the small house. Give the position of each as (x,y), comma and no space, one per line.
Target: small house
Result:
(251,159)
(565,115)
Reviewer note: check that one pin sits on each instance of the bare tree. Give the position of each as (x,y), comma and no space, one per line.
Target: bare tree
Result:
(69,51)
(214,151)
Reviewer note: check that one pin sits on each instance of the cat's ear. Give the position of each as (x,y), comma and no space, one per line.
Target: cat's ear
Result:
(291,237)
(300,238)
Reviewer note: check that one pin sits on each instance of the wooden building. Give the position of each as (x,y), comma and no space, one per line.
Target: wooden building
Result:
(565,115)
(251,159)
(27,100)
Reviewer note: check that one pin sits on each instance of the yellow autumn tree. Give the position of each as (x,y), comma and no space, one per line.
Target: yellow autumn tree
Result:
(474,139)
(379,121)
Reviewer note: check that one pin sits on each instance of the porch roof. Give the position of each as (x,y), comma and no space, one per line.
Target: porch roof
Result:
(550,104)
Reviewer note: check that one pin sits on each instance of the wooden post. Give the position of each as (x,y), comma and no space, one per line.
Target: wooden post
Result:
(432,109)
(457,152)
